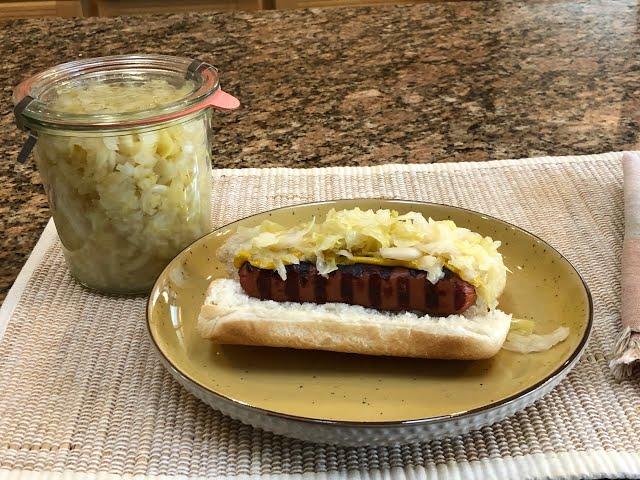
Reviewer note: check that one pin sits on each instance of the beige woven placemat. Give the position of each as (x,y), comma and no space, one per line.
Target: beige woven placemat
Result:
(82,394)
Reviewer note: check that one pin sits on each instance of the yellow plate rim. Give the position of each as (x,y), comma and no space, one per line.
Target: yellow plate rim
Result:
(503,403)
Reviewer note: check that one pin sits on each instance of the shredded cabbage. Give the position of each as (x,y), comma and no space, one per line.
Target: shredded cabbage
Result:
(522,339)
(96,98)
(522,326)
(125,205)
(377,237)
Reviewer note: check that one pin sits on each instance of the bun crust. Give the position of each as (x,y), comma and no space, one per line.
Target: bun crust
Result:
(230,316)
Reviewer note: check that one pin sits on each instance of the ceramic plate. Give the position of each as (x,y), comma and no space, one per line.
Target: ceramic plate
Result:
(354,399)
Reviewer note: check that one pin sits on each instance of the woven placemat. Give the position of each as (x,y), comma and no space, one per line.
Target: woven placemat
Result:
(82,394)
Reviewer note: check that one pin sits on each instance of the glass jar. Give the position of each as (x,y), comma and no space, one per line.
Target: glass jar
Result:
(123,146)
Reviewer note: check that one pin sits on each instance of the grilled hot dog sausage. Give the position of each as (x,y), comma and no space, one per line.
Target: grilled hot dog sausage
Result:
(373,286)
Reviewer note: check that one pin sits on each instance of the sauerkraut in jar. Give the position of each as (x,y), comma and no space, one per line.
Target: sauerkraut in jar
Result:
(128,173)
(125,206)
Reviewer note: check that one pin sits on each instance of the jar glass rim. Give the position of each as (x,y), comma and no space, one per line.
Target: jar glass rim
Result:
(34,112)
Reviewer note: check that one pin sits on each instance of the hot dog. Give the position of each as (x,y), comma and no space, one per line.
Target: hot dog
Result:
(373,286)
(364,282)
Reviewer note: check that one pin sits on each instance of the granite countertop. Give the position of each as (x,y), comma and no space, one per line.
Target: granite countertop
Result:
(460,81)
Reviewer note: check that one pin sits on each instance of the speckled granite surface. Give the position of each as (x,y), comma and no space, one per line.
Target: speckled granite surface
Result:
(425,83)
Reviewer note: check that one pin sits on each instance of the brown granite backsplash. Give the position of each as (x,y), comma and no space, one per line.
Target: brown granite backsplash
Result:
(460,81)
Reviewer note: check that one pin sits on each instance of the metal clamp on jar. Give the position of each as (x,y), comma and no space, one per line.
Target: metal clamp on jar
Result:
(123,146)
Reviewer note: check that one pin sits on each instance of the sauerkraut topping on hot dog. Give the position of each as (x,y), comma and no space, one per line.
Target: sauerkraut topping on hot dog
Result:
(382,237)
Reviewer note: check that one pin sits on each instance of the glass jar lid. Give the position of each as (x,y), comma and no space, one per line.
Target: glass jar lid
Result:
(118,92)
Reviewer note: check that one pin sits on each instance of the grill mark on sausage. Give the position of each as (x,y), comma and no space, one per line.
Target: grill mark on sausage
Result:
(306,273)
(292,285)
(319,288)
(384,288)
(346,286)
(431,295)
(404,291)
(374,288)
(333,286)
(263,282)
(360,283)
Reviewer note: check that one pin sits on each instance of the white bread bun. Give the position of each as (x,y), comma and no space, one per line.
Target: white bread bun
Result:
(230,316)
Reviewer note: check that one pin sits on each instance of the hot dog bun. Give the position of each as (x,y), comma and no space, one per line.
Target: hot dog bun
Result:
(230,316)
